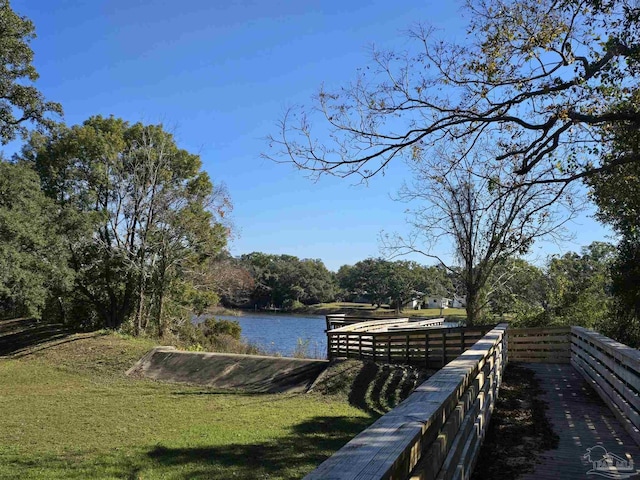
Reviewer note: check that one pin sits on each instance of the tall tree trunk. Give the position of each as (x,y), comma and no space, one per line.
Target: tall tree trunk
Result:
(473,303)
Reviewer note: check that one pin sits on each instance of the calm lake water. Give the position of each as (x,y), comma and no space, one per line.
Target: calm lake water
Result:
(280,333)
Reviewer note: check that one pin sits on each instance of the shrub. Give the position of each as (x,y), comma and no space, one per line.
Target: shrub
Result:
(292,305)
(212,327)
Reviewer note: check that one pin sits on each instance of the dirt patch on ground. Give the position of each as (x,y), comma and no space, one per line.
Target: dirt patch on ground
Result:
(372,387)
(519,429)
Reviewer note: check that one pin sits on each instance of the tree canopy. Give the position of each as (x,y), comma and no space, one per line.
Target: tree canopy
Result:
(393,282)
(153,219)
(285,281)
(32,254)
(20,102)
(616,193)
(540,78)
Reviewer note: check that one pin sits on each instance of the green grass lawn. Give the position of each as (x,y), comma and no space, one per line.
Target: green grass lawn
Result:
(366,309)
(67,411)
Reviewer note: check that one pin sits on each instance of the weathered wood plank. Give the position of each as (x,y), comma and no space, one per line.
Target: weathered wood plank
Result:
(539,338)
(552,347)
(393,445)
(625,354)
(631,429)
(630,377)
(538,330)
(581,420)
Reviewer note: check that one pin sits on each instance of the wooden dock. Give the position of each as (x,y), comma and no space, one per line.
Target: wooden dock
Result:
(582,420)
(591,384)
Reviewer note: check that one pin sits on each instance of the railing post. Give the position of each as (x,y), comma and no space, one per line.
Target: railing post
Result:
(426,349)
(360,345)
(389,349)
(444,348)
(407,349)
(373,347)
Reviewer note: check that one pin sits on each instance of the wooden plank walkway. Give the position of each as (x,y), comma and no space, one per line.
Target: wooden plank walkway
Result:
(581,420)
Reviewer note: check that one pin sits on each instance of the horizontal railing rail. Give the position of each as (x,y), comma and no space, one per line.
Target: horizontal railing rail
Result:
(540,345)
(437,431)
(370,325)
(613,370)
(337,320)
(428,347)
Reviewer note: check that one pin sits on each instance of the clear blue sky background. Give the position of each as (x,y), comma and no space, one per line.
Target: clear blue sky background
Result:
(221,74)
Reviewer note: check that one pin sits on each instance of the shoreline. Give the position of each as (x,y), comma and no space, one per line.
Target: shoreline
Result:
(362,310)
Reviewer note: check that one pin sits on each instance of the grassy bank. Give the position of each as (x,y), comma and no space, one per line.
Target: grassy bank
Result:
(368,310)
(69,412)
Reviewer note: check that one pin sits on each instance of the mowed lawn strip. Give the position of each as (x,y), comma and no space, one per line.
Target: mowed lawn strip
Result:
(68,411)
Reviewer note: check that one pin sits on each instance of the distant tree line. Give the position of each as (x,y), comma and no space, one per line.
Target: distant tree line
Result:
(582,288)
(289,283)
(111,224)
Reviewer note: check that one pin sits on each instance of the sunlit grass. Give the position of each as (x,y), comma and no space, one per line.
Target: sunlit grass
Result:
(69,412)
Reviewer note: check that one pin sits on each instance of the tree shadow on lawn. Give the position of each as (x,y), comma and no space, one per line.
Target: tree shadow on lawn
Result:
(73,466)
(19,335)
(308,445)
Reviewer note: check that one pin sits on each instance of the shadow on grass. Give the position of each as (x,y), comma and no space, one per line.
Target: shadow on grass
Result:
(78,465)
(20,335)
(371,387)
(308,445)
(292,456)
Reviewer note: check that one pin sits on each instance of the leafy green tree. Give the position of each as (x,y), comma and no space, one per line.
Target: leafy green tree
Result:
(156,218)
(392,282)
(580,286)
(616,192)
(519,288)
(369,278)
(20,102)
(32,254)
(281,280)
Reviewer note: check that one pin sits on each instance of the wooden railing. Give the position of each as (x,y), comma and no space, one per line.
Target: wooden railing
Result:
(613,370)
(338,320)
(540,345)
(403,342)
(436,432)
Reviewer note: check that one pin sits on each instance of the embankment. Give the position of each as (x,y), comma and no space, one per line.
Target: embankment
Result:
(225,370)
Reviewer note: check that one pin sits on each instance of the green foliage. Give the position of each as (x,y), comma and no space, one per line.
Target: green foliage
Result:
(573,289)
(149,222)
(383,282)
(286,281)
(212,326)
(212,335)
(518,288)
(70,413)
(292,305)
(617,194)
(32,256)
(21,102)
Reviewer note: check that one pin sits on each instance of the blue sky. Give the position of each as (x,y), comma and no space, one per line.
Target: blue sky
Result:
(221,74)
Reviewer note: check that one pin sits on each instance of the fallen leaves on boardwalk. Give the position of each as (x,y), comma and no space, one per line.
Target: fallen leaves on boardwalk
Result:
(519,430)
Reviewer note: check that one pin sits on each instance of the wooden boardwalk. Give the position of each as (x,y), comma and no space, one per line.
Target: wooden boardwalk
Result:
(581,420)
